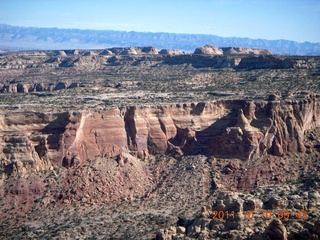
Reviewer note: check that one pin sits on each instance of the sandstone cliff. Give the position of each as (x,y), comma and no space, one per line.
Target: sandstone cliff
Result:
(230,128)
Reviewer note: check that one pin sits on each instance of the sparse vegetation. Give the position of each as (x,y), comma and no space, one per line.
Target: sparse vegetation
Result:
(101,199)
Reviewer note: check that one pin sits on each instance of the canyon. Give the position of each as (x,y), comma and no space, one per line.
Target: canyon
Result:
(226,129)
(157,134)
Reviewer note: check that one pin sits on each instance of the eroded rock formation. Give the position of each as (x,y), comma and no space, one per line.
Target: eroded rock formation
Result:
(211,50)
(241,129)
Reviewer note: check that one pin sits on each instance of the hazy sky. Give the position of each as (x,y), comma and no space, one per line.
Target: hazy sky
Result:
(297,20)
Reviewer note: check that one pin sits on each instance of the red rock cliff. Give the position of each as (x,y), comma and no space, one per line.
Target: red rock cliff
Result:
(230,128)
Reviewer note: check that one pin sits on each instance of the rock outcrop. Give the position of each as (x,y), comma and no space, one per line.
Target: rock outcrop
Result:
(208,50)
(171,52)
(36,87)
(211,50)
(251,51)
(241,129)
(131,51)
(273,62)
(21,72)
(239,216)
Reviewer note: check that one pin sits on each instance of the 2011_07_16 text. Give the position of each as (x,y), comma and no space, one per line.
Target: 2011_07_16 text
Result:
(265,214)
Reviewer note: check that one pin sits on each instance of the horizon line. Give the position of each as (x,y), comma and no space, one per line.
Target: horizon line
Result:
(175,33)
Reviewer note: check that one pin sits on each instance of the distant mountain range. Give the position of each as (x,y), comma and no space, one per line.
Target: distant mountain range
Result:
(31,38)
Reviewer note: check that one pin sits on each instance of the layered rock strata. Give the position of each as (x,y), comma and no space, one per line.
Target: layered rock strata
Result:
(229,129)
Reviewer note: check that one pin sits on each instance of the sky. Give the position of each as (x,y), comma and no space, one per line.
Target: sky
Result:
(297,20)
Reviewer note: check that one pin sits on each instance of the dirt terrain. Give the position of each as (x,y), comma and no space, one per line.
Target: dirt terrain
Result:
(141,143)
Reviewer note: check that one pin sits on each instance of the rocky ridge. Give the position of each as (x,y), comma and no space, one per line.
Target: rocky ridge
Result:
(211,50)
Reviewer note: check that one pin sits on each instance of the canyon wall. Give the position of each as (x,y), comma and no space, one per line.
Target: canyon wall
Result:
(227,128)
